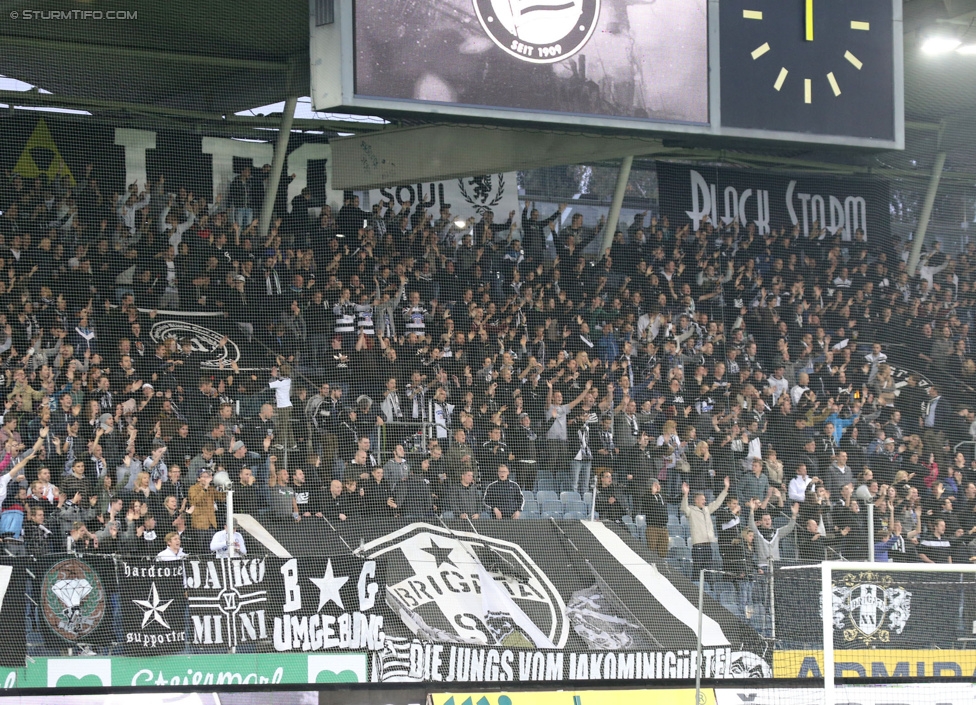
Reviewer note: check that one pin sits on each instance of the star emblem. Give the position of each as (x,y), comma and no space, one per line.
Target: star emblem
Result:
(153,608)
(329,586)
(440,553)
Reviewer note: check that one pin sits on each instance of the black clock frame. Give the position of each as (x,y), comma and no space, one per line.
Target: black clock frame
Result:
(866,106)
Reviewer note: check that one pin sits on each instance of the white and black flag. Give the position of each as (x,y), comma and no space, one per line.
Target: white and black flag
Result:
(14,651)
(152,604)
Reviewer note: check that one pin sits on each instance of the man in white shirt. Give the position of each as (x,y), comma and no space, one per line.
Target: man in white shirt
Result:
(173,551)
(220,546)
(281,384)
(801,387)
(778,383)
(798,485)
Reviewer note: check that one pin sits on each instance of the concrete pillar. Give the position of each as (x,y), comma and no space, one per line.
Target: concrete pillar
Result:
(623,176)
(271,191)
(923,219)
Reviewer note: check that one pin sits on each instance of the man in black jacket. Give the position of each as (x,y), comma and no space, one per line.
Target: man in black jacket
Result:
(413,497)
(504,497)
(608,505)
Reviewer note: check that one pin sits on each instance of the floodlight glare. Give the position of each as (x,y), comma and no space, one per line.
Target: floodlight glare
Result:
(940,45)
(966,49)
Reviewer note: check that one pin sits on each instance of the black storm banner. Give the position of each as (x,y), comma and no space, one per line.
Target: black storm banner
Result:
(698,194)
(153,606)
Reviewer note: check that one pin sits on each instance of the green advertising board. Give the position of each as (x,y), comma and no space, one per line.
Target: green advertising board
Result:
(198,670)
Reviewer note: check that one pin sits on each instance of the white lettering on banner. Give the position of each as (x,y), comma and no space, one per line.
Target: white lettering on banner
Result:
(236,600)
(704,204)
(134,144)
(835,215)
(846,218)
(147,677)
(319,632)
(222,151)
(467,197)
(425,661)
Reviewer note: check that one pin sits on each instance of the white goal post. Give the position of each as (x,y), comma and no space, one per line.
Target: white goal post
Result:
(827,612)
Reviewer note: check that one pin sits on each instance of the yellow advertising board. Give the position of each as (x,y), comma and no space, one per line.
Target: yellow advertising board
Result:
(877,663)
(677,696)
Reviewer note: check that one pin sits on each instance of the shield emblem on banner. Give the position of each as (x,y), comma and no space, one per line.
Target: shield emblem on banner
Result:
(870,611)
(436,582)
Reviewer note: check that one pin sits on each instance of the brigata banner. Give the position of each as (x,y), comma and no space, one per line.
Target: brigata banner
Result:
(878,663)
(698,193)
(212,671)
(480,602)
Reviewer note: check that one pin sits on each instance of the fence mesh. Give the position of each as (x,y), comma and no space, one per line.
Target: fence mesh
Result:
(417,394)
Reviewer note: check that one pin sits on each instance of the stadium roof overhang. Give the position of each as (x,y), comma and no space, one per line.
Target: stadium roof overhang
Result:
(196,66)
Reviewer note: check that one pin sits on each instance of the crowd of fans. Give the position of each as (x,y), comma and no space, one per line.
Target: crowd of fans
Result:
(420,365)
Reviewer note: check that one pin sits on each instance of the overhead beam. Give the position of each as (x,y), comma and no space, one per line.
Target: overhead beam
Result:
(438,152)
(243,122)
(922,13)
(117,53)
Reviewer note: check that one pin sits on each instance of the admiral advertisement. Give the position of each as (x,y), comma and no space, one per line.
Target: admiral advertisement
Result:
(618,58)
(875,610)
(769,202)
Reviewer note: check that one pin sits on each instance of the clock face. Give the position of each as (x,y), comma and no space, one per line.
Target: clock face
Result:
(811,66)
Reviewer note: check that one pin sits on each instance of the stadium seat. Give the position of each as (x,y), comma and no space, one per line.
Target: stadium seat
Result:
(546,496)
(588,498)
(528,494)
(531,515)
(565,497)
(676,542)
(552,515)
(576,506)
(634,531)
(627,519)
(578,516)
(447,515)
(552,506)
(641,522)
(726,591)
(731,604)
(530,506)
(780,521)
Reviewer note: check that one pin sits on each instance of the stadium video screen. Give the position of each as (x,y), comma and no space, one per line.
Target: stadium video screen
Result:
(616,58)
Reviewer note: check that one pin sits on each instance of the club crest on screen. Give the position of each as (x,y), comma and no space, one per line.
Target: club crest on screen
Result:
(539,31)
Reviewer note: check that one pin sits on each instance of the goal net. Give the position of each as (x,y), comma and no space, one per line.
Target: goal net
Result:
(857,623)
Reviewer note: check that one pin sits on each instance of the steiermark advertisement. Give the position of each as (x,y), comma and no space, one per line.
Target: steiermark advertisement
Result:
(211,670)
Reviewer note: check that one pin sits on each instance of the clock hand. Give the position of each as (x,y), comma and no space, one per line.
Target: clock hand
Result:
(809,20)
